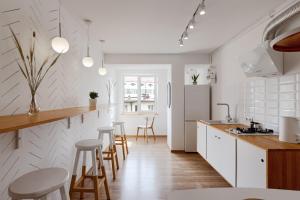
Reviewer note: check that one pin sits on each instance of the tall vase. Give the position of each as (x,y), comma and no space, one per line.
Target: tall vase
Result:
(33,109)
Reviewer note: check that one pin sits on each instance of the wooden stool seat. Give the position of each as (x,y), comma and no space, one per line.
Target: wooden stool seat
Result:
(121,140)
(110,152)
(95,147)
(38,184)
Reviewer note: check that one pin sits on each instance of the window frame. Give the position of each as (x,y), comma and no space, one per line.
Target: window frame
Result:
(139,96)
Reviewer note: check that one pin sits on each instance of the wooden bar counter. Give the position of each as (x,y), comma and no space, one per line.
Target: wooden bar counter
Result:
(17,122)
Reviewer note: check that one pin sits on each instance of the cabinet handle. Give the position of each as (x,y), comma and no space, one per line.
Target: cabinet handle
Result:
(262,160)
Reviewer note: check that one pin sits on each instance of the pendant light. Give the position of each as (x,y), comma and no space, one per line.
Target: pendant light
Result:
(60,44)
(102,70)
(88,61)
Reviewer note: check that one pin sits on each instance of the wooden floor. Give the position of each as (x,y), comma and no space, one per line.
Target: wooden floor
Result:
(151,171)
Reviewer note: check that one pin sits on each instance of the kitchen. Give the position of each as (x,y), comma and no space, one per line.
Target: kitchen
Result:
(217,102)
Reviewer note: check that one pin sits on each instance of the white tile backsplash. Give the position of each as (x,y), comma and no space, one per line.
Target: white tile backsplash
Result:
(267,99)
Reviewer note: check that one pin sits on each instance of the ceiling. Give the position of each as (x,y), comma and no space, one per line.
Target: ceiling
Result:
(154,26)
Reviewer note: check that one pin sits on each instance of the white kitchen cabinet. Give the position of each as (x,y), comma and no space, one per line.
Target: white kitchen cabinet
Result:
(201,139)
(251,166)
(221,153)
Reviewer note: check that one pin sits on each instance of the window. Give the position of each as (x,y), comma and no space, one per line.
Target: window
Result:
(139,94)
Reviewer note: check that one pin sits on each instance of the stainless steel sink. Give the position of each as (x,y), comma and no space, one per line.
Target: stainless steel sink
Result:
(212,122)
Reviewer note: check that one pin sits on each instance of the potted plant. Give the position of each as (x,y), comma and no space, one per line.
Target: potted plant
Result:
(195,78)
(93,99)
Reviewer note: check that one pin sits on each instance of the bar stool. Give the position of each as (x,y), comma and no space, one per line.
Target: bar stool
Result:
(110,152)
(38,184)
(84,146)
(121,140)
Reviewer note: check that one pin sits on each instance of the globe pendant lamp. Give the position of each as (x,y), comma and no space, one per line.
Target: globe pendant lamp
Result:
(102,70)
(60,44)
(88,61)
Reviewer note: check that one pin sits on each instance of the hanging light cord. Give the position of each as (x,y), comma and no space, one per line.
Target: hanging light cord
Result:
(59,23)
(88,43)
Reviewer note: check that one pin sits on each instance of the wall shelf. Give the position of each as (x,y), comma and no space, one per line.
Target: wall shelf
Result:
(14,123)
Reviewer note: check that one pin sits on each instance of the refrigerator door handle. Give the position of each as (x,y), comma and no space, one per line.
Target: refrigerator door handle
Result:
(169,94)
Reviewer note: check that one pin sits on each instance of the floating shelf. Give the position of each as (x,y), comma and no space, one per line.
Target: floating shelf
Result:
(14,123)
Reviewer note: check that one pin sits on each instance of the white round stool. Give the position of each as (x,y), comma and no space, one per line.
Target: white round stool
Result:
(122,139)
(38,184)
(111,152)
(91,145)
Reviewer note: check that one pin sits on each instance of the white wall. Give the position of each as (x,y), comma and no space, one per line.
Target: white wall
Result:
(178,62)
(66,85)
(265,99)
(133,120)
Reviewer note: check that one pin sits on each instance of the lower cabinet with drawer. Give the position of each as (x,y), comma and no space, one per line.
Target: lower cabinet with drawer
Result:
(221,153)
(251,166)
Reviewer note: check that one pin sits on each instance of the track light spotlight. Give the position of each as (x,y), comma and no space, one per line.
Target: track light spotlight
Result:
(181,43)
(185,35)
(202,10)
(192,23)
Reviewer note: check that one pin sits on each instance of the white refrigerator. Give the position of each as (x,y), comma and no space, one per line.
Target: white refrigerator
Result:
(196,107)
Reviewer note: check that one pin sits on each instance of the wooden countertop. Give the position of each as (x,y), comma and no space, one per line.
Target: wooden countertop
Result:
(16,122)
(270,142)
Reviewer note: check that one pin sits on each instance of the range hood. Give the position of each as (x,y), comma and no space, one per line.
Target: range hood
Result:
(282,34)
(262,61)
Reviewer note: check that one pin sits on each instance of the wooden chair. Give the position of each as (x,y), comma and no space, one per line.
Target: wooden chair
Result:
(146,127)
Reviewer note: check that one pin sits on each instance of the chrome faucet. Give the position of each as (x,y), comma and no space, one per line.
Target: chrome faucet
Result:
(228,117)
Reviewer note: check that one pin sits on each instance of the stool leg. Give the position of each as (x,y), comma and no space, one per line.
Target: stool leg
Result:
(105,182)
(63,193)
(116,155)
(73,180)
(95,175)
(123,147)
(113,162)
(125,138)
(83,173)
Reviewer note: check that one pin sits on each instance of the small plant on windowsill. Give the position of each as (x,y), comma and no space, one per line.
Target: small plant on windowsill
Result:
(195,78)
(93,99)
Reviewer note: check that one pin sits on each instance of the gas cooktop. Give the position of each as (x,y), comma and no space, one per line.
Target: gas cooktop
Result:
(251,131)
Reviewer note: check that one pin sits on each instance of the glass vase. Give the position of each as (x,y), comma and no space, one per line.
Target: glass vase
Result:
(33,108)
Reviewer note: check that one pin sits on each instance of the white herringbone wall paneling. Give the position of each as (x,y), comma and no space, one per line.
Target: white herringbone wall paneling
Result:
(51,144)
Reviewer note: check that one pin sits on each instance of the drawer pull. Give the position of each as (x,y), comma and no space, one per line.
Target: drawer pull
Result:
(262,160)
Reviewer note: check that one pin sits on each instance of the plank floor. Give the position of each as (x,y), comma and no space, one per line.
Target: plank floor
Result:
(151,171)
